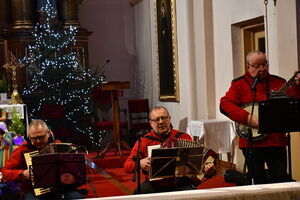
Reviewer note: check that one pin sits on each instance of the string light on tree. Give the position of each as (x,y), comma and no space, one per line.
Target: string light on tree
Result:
(56,73)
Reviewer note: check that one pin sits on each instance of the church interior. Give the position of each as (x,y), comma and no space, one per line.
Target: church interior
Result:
(94,69)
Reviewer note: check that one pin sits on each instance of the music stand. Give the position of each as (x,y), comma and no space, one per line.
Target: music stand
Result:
(176,162)
(280,115)
(59,170)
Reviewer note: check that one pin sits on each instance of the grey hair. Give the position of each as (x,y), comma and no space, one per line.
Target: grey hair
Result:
(251,53)
(38,122)
(158,108)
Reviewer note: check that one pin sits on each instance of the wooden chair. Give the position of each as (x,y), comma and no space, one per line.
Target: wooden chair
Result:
(104,103)
(54,116)
(138,110)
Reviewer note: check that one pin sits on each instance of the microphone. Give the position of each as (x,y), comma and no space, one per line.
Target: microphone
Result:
(106,62)
(102,66)
(256,79)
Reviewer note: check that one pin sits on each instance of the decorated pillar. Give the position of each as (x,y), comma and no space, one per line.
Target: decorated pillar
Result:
(22,13)
(68,12)
(5,15)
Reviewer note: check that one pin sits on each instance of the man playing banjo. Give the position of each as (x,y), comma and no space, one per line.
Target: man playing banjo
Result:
(270,149)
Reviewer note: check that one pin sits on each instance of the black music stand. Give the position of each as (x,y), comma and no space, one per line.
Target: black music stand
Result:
(176,162)
(280,115)
(59,170)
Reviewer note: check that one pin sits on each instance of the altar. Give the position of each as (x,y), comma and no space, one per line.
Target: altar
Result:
(217,134)
(20,108)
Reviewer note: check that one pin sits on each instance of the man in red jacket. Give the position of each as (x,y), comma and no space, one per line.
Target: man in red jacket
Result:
(160,121)
(272,148)
(15,169)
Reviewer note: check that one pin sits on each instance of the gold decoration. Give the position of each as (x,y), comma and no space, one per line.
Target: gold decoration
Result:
(13,65)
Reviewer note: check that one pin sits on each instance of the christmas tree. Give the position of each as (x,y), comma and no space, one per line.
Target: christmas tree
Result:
(56,73)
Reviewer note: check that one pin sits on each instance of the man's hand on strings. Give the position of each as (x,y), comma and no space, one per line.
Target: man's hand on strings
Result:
(145,163)
(254,121)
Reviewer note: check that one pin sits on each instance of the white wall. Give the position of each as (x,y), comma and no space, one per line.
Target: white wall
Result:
(112,25)
(143,67)
(227,13)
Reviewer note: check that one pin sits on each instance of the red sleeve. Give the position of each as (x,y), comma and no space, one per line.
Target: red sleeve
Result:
(230,104)
(14,166)
(129,164)
(186,136)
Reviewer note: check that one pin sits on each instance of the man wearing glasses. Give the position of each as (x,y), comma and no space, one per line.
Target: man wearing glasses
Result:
(160,121)
(15,169)
(272,148)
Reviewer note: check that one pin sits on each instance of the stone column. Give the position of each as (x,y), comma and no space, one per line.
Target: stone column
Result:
(22,13)
(5,15)
(68,12)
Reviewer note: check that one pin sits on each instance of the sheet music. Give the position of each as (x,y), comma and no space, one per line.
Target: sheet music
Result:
(150,148)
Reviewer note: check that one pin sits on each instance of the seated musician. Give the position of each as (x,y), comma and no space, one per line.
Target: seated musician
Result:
(160,122)
(39,136)
(270,150)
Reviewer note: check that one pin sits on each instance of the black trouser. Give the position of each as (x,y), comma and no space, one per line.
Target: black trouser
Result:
(276,160)
(180,184)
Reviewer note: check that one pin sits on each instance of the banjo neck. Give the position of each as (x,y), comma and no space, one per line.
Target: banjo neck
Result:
(281,91)
(288,83)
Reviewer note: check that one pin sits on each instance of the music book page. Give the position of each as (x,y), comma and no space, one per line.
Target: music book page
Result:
(152,147)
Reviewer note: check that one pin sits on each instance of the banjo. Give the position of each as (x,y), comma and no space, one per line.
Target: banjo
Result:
(242,130)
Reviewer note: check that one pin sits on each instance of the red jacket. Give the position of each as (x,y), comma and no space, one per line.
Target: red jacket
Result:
(16,165)
(240,94)
(129,165)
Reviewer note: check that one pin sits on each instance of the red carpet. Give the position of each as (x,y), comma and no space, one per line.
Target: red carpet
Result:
(109,178)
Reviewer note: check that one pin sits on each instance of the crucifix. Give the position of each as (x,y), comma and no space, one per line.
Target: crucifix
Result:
(13,65)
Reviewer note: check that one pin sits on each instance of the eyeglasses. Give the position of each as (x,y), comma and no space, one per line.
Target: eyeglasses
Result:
(256,66)
(38,138)
(163,119)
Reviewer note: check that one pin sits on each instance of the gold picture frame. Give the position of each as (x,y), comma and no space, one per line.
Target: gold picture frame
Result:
(167,56)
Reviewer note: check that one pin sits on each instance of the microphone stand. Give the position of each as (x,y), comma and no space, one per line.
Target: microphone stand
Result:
(250,142)
(137,170)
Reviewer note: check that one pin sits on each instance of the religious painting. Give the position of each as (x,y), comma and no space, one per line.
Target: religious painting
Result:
(167,50)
